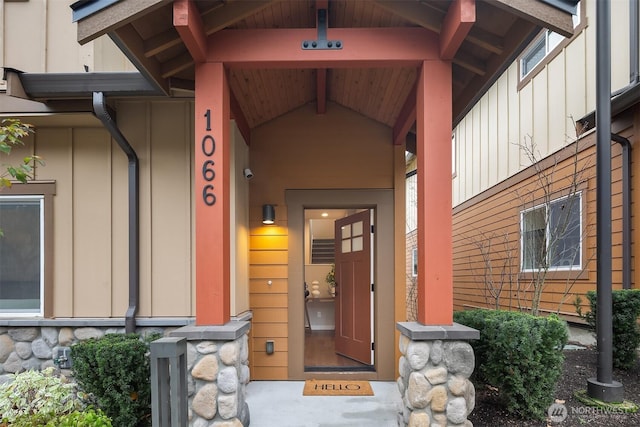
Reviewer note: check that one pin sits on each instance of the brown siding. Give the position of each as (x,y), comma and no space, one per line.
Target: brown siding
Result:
(301,150)
(494,221)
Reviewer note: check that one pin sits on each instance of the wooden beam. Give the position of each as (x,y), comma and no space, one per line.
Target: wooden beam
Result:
(176,64)
(212,147)
(406,118)
(435,264)
(520,34)
(459,20)
(539,13)
(115,16)
(321,73)
(321,90)
(431,18)
(241,120)
(161,42)
(149,67)
(232,12)
(362,47)
(186,20)
(470,62)
(215,19)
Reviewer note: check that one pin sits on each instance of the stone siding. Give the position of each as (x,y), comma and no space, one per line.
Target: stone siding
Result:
(219,374)
(35,347)
(434,377)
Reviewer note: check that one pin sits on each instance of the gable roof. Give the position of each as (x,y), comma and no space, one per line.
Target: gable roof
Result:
(144,31)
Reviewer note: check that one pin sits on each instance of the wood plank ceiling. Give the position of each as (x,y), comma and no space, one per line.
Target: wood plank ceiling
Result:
(151,41)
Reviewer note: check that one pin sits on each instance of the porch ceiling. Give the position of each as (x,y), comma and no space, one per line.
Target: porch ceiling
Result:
(144,30)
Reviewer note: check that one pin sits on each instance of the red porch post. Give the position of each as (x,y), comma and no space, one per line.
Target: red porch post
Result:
(433,111)
(211,192)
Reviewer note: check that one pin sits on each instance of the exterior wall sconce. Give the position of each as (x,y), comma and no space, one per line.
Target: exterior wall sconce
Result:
(268,214)
(270,347)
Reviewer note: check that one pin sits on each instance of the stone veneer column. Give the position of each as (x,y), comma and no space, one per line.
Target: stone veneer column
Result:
(218,373)
(435,367)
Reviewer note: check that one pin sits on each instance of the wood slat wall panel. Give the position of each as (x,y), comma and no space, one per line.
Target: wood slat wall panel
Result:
(268,271)
(269,330)
(270,315)
(268,242)
(498,217)
(277,359)
(268,301)
(269,373)
(281,344)
(268,257)
(260,286)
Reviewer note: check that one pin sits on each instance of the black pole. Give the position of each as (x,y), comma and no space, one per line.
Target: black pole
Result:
(603,387)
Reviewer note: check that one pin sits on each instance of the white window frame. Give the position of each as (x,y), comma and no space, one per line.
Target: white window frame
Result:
(41,201)
(414,262)
(550,40)
(579,252)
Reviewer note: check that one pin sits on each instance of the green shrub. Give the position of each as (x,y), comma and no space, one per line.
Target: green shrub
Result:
(33,398)
(626,332)
(86,418)
(115,370)
(519,354)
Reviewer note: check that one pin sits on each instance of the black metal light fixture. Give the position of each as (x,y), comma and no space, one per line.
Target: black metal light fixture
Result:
(268,214)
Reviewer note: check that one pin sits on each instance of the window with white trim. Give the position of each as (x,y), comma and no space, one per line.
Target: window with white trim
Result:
(551,235)
(22,255)
(414,262)
(542,46)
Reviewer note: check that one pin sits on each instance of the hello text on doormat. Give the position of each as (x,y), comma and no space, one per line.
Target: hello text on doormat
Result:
(337,388)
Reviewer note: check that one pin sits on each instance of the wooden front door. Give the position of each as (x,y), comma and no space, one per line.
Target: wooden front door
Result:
(354,294)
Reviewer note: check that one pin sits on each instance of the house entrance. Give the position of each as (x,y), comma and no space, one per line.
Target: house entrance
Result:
(338,301)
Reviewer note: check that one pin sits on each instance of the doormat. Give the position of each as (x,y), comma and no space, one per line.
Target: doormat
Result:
(337,388)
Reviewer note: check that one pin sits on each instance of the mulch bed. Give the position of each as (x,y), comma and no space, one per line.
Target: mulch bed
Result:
(579,365)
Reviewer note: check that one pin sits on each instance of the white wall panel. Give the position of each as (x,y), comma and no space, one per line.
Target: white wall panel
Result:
(545,107)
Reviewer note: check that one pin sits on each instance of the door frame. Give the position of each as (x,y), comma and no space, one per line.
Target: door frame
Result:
(381,201)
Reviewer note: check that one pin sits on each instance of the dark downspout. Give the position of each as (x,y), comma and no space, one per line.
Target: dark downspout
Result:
(626,211)
(101,112)
(634,40)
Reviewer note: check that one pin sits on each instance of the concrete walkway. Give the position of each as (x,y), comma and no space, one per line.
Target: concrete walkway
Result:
(281,404)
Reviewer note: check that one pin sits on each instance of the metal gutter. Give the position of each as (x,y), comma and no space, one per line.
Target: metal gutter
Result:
(46,86)
(626,208)
(102,113)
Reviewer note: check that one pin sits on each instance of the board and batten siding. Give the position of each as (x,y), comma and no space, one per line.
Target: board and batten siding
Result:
(39,37)
(543,108)
(492,221)
(90,210)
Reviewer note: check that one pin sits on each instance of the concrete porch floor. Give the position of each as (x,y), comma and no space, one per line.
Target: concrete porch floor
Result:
(281,403)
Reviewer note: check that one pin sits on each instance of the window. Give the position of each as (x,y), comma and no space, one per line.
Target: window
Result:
(414,260)
(22,254)
(543,46)
(536,53)
(453,156)
(551,235)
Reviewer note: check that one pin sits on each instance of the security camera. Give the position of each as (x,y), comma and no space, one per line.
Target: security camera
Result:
(247,173)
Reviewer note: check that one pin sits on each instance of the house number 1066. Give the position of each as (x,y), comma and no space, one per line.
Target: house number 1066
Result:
(208,146)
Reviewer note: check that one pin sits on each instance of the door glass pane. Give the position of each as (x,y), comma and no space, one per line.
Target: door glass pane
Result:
(357,244)
(357,228)
(346,246)
(346,231)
